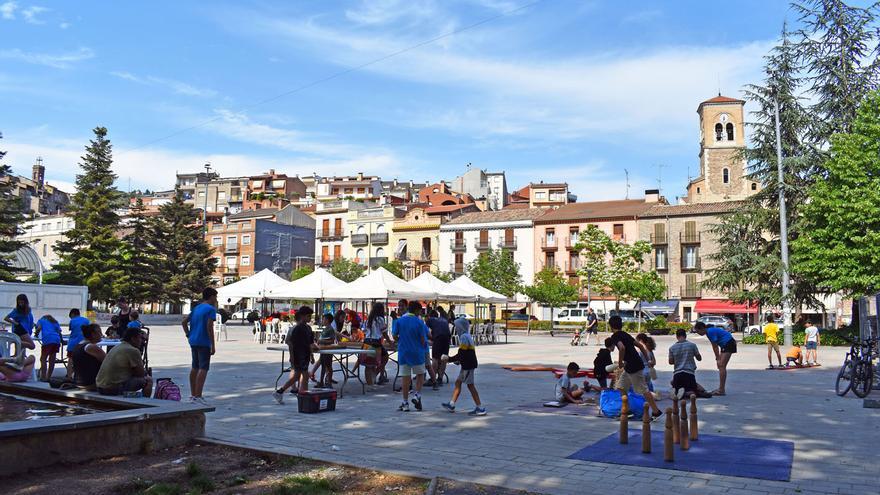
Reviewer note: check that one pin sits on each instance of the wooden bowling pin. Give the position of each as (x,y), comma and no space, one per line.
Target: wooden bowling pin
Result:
(684,438)
(646,430)
(675,423)
(668,450)
(693,418)
(624,419)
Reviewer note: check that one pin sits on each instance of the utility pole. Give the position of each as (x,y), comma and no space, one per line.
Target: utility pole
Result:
(783,233)
(626,172)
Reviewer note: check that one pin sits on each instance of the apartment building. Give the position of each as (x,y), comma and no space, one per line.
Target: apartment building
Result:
(369,234)
(37,196)
(41,233)
(416,236)
(557,232)
(219,196)
(359,186)
(273,190)
(331,229)
(464,238)
(489,189)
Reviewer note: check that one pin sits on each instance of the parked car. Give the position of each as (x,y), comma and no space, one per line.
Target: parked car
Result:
(241,314)
(718,321)
(631,315)
(519,320)
(571,315)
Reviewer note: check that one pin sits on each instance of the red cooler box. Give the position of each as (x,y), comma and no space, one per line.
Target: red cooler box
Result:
(317,400)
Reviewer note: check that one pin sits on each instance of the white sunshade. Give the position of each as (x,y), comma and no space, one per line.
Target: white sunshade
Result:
(312,286)
(258,285)
(380,284)
(446,292)
(483,294)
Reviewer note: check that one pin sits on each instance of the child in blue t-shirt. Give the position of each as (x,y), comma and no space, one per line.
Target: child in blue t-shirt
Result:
(50,342)
(21,317)
(135,318)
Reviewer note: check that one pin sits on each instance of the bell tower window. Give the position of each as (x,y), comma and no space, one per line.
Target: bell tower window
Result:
(719,132)
(725,176)
(729,131)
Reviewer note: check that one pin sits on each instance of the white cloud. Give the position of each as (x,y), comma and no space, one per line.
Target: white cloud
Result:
(30,14)
(174,85)
(64,25)
(7,10)
(390,11)
(57,61)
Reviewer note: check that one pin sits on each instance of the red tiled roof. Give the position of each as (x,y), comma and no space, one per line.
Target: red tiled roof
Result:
(505,215)
(722,99)
(447,208)
(684,210)
(622,208)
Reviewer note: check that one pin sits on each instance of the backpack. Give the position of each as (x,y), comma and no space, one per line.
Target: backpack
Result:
(167,390)
(610,404)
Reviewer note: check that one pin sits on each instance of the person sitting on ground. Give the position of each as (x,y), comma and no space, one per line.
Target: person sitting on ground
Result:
(135,320)
(467,358)
(113,331)
(681,356)
(87,357)
(724,346)
(567,392)
(771,337)
(76,325)
(122,370)
(49,332)
(19,368)
(648,359)
(628,358)
(301,344)
(603,359)
(794,357)
(811,342)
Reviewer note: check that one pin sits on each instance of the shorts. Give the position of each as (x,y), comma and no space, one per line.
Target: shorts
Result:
(684,380)
(635,380)
(133,384)
(201,357)
(729,347)
(49,350)
(466,377)
(412,369)
(812,345)
(19,376)
(440,348)
(302,366)
(594,330)
(773,345)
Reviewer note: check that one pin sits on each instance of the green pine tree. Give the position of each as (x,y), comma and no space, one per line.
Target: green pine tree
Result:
(496,270)
(11,219)
(140,282)
(91,253)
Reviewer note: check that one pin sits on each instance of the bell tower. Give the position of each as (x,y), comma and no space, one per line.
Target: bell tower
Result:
(722,165)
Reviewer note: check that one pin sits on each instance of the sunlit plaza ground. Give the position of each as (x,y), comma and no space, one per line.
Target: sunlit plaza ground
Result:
(835,439)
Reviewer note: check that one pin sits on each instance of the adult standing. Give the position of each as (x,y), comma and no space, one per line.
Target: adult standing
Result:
(724,346)
(440,338)
(411,334)
(21,316)
(374,332)
(123,310)
(771,337)
(629,359)
(592,326)
(199,329)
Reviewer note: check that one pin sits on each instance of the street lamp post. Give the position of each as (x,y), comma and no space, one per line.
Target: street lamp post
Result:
(783,233)
(205,210)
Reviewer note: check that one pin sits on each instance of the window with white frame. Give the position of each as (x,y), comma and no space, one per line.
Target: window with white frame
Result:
(245,261)
(246,240)
(660,258)
(231,262)
(216,241)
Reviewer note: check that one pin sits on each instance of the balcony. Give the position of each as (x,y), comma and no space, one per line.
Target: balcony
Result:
(507,244)
(571,241)
(691,265)
(424,257)
(325,262)
(483,245)
(379,239)
(331,234)
(230,270)
(549,244)
(572,266)
(375,261)
(659,239)
(359,239)
(456,268)
(231,248)
(690,292)
(458,245)
(689,237)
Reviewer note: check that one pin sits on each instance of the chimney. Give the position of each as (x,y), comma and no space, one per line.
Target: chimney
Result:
(39,173)
(360,176)
(652,195)
(395,183)
(271,171)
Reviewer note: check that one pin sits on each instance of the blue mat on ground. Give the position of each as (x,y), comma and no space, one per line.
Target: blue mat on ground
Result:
(712,454)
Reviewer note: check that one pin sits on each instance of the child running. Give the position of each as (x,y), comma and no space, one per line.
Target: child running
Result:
(467,358)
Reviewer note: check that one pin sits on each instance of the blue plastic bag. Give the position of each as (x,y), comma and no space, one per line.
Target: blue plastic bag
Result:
(610,404)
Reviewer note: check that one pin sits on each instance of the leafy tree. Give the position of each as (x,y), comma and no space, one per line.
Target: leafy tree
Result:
(627,280)
(301,272)
(140,281)
(496,270)
(346,270)
(396,267)
(91,253)
(187,259)
(11,219)
(594,248)
(838,247)
(444,276)
(551,289)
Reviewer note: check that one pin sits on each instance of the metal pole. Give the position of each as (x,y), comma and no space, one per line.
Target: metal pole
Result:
(205,210)
(783,233)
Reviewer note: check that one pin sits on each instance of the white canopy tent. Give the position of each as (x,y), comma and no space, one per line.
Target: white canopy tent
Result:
(312,286)
(258,285)
(481,293)
(379,285)
(445,292)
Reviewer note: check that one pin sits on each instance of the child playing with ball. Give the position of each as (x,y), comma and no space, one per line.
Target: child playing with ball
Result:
(467,358)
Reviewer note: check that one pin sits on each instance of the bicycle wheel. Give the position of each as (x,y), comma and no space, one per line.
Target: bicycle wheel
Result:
(844,378)
(862,385)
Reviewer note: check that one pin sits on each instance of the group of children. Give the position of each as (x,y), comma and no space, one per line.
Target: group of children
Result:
(794,356)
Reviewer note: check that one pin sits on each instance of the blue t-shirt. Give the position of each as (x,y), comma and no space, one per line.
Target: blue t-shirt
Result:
(25,320)
(50,333)
(199,326)
(135,324)
(411,335)
(718,336)
(76,331)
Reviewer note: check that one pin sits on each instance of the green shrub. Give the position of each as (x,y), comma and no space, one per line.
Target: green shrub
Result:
(836,337)
(657,323)
(193,469)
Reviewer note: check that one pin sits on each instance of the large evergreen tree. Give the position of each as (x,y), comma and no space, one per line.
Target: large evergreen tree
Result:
(11,219)
(187,259)
(91,253)
(141,281)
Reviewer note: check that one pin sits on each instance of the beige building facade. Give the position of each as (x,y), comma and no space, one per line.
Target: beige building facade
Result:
(416,241)
(369,234)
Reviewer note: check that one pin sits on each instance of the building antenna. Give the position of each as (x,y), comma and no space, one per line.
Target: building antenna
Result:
(718,75)
(660,177)
(625,171)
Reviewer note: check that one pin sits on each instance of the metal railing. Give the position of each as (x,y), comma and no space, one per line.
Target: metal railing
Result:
(359,239)
(458,245)
(482,244)
(691,292)
(507,244)
(380,238)
(659,238)
(689,237)
(330,233)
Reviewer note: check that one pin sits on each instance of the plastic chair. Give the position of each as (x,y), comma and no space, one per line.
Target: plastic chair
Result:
(220,328)
(259,333)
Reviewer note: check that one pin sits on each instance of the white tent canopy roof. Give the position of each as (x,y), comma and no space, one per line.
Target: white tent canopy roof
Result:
(483,294)
(380,284)
(258,285)
(312,286)
(447,292)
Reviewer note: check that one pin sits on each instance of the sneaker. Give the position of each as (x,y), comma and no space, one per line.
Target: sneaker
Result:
(449,407)
(435,386)
(192,399)
(478,411)
(200,400)
(430,383)
(417,401)
(404,407)
(772,367)
(278,396)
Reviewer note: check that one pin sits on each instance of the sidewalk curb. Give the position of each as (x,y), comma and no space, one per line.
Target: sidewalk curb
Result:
(432,486)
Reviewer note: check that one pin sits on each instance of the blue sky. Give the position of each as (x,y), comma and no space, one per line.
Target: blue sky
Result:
(561,90)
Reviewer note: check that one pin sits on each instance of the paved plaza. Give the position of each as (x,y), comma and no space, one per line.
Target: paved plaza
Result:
(836,439)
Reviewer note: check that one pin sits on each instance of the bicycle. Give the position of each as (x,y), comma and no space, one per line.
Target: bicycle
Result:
(857,371)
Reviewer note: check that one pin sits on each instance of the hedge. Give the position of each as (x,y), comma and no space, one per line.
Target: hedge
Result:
(835,337)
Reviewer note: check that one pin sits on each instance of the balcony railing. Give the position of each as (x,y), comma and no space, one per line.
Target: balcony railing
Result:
(456,268)
(483,244)
(570,241)
(380,238)
(659,239)
(689,237)
(425,257)
(404,256)
(507,244)
(691,265)
(690,292)
(458,245)
(549,244)
(330,233)
(377,260)
(572,266)
(359,239)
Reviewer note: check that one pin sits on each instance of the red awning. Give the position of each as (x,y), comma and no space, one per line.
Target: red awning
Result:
(723,306)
